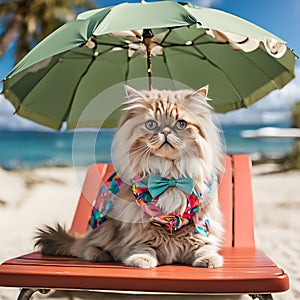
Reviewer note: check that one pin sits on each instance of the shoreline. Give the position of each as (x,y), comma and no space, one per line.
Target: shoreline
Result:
(30,198)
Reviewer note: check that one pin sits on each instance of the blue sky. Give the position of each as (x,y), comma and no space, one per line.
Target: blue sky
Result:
(282,18)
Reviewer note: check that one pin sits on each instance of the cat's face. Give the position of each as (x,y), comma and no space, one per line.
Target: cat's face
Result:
(164,128)
(164,132)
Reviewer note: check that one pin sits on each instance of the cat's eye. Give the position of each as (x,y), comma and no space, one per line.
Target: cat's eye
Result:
(181,124)
(151,124)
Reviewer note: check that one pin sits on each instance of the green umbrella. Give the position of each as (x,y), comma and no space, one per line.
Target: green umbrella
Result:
(57,80)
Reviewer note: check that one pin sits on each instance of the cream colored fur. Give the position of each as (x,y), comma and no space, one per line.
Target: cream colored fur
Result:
(172,152)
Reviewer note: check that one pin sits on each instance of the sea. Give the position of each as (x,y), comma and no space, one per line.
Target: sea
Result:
(29,149)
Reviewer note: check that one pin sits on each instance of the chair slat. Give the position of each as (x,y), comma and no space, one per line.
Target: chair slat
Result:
(245,270)
(225,199)
(243,218)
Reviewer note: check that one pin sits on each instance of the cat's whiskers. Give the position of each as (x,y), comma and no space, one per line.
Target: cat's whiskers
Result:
(154,140)
(174,140)
(139,155)
(141,147)
(136,153)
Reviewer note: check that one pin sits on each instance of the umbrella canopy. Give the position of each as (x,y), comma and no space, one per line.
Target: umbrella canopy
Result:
(56,81)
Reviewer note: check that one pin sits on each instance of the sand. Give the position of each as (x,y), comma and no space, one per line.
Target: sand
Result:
(31,198)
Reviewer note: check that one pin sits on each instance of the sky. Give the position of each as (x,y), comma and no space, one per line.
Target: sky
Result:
(282,18)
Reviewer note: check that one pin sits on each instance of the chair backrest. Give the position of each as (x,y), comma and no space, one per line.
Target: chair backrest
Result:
(236,201)
(235,196)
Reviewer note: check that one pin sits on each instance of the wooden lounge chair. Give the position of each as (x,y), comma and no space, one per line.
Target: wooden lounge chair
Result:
(246,269)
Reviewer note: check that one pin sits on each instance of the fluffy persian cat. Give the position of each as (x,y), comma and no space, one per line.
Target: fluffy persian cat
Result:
(165,210)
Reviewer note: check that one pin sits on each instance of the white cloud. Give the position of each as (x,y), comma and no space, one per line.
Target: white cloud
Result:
(11,121)
(274,107)
(206,3)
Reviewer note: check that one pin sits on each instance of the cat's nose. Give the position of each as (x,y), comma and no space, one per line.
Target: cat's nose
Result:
(166,131)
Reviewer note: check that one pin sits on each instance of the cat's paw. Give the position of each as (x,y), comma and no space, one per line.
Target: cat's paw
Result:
(96,254)
(213,260)
(142,260)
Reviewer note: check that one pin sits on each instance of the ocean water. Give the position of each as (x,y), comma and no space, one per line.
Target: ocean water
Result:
(26,149)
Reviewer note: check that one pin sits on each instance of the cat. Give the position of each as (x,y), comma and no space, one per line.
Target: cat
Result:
(170,137)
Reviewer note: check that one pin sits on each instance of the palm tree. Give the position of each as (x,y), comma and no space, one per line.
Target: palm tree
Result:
(23,23)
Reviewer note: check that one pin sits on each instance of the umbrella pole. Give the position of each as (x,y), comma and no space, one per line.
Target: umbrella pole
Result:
(147,40)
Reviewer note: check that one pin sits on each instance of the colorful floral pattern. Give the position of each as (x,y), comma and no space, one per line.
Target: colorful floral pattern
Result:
(149,206)
(172,221)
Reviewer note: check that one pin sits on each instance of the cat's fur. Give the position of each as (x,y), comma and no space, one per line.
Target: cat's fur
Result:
(194,151)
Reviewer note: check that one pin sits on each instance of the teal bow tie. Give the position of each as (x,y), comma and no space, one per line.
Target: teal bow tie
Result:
(157,185)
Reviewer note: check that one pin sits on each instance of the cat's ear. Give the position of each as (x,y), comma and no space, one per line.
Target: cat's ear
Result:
(202,91)
(131,93)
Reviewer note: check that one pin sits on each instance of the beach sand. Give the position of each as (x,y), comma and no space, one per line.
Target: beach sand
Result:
(31,198)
